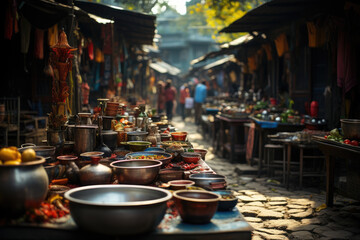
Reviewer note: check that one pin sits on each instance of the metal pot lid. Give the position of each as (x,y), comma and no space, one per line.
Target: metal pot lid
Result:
(136,133)
(86,126)
(108,132)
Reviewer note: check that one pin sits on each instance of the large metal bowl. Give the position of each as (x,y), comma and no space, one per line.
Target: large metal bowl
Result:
(22,186)
(209,181)
(351,128)
(118,209)
(136,171)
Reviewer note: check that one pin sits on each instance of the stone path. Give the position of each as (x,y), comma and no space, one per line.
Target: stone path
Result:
(276,212)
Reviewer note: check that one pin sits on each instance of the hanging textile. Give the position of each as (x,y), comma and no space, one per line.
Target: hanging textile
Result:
(90,49)
(316,34)
(11,24)
(39,44)
(346,62)
(267,49)
(281,44)
(252,64)
(99,56)
(107,38)
(25,30)
(53,34)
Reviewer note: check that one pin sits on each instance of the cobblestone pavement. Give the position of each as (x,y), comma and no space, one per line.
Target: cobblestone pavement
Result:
(274,211)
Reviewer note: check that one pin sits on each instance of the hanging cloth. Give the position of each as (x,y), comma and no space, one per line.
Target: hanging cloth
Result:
(11,25)
(281,44)
(267,49)
(346,61)
(53,34)
(39,44)
(252,64)
(25,30)
(90,49)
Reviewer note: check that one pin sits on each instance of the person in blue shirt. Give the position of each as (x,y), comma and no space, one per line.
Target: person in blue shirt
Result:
(199,99)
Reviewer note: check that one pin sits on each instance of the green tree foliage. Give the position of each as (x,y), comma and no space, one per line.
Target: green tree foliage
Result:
(221,13)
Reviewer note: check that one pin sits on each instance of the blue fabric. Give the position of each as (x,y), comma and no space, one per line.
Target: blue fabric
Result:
(267,124)
(200,93)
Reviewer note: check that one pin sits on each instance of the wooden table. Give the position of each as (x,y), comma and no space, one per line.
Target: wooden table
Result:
(332,150)
(269,127)
(225,225)
(232,146)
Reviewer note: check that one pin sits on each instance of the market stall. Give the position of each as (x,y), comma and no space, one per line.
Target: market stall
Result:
(138,163)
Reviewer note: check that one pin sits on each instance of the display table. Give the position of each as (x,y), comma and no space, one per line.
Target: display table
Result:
(265,128)
(224,225)
(332,150)
(236,131)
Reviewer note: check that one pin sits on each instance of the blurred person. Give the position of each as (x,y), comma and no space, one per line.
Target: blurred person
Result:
(160,97)
(170,96)
(199,99)
(184,93)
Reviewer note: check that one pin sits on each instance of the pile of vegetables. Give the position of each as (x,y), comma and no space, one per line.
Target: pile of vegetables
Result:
(335,135)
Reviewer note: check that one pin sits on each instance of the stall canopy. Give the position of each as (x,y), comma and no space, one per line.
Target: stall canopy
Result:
(279,13)
(165,68)
(225,49)
(136,28)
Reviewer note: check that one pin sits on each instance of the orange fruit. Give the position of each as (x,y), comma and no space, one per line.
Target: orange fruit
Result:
(28,155)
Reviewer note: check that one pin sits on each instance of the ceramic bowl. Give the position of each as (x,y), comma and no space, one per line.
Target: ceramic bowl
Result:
(180,184)
(196,206)
(178,136)
(190,157)
(227,201)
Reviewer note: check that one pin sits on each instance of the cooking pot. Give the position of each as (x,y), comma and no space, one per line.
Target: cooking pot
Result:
(22,187)
(107,122)
(85,138)
(351,128)
(137,136)
(110,138)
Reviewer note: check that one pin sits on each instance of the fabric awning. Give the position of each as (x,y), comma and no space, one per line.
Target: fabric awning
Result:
(220,62)
(136,27)
(163,67)
(277,13)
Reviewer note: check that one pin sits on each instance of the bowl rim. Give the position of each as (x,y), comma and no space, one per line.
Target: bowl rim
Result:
(206,176)
(226,193)
(186,182)
(97,154)
(68,196)
(176,195)
(159,163)
(168,155)
(178,133)
(350,120)
(39,161)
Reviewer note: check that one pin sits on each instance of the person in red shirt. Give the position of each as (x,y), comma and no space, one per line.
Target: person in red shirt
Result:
(184,93)
(170,96)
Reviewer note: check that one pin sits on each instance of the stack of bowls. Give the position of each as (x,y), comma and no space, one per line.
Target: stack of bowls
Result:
(112,108)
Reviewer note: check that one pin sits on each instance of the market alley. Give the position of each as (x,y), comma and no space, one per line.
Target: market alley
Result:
(274,211)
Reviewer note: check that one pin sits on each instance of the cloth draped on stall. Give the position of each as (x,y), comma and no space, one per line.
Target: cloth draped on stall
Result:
(346,61)
(25,30)
(281,44)
(39,44)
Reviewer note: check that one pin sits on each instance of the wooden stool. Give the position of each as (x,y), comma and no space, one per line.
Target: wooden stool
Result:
(271,162)
(312,156)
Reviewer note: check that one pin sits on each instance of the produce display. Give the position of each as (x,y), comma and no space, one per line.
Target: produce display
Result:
(337,136)
(11,156)
(152,157)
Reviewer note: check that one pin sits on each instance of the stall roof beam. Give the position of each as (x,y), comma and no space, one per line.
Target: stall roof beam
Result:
(136,27)
(276,13)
